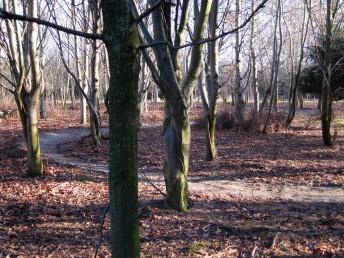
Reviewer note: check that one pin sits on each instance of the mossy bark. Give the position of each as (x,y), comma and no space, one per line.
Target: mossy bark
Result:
(177,91)
(124,64)
(177,137)
(35,163)
(28,114)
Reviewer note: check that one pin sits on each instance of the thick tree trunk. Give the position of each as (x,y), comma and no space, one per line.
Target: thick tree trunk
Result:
(28,114)
(124,65)
(35,164)
(31,100)
(177,92)
(177,138)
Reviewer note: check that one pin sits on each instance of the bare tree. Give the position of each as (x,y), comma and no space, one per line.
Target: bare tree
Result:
(238,89)
(210,94)
(24,62)
(296,77)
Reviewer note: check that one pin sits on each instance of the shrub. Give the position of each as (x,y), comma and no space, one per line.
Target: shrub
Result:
(252,122)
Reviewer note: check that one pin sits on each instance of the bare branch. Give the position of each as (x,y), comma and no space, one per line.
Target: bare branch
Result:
(148,11)
(207,40)
(4,87)
(7,79)
(18,17)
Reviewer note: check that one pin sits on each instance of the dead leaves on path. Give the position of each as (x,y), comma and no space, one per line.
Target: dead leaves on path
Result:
(59,214)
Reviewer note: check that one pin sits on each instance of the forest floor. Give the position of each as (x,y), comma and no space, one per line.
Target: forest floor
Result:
(60,214)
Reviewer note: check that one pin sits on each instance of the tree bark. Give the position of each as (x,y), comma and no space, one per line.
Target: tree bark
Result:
(209,98)
(177,138)
(326,101)
(177,92)
(254,83)
(95,118)
(238,89)
(277,49)
(124,65)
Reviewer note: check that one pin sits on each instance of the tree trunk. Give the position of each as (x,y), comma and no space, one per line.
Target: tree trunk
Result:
(300,100)
(326,101)
(35,164)
(83,109)
(31,100)
(95,118)
(177,92)
(210,136)
(238,89)
(209,119)
(124,65)
(277,49)
(42,106)
(177,138)
(276,97)
(213,83)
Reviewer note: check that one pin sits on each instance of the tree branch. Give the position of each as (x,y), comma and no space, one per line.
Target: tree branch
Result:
(207,40)
(148,11)
(7,79)
(4,87)
(18,17)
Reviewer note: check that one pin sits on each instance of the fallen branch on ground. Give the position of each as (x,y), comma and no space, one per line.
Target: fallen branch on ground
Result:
(101,231)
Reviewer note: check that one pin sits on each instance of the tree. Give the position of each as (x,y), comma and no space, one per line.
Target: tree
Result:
(24,60)
(122,42)
(238,88)
(86,71)
(326,100)
(177,90)
(295,78)
(209,94)
(122,45)
(254,83)
(95,61)
(327,57)
(277,48)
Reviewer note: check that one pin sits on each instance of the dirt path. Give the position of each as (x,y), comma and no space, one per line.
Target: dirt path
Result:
(51,142)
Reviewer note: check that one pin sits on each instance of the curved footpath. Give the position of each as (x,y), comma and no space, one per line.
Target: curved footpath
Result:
(51,141)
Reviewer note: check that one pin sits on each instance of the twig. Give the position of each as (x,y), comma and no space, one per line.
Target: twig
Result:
(101,231)
(54,252)
(8,146)
(253,253)
(274,241)
(157,188)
